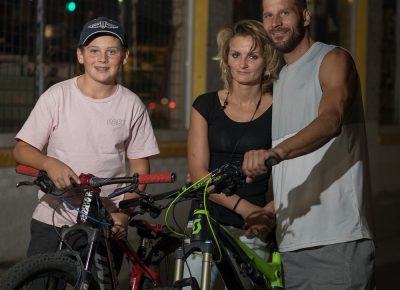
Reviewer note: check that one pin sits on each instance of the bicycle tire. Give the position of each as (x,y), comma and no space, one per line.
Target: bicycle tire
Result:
(161,258)
(37,269)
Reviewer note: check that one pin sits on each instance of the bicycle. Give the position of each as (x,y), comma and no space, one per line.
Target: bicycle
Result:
(216,244)
(66,269)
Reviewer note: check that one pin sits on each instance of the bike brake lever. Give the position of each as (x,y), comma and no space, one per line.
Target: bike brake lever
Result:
(119,191)
(22,183)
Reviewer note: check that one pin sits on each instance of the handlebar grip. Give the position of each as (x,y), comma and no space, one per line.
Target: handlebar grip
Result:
(27,170)
(157,178)
(271,161)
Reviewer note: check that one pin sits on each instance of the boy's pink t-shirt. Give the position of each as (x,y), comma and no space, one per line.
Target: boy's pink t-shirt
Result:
(90,135)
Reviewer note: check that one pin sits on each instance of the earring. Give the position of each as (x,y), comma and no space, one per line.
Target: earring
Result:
(223,107)
(267,75)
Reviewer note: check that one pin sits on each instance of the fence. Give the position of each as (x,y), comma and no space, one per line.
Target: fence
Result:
(38,41)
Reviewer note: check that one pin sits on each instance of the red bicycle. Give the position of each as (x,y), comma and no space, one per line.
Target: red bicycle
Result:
(68,269)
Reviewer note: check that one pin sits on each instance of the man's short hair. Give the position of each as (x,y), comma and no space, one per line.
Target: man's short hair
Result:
(302,4)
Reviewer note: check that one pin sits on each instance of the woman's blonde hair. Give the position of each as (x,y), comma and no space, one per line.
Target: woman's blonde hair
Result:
(255,30)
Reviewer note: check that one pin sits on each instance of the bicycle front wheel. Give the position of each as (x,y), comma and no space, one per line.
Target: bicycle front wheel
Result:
(42,272)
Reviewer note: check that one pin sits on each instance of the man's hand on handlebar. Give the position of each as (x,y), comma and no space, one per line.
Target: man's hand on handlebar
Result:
(254,163)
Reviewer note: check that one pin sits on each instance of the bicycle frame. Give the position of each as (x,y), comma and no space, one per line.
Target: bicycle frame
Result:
(91,222)
(139,268)
(265,274)
(271,271)
(95,233)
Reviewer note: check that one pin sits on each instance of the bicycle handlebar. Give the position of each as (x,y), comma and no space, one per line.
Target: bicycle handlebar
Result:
(226,179)
(91,180)
(88,179)
(26,170)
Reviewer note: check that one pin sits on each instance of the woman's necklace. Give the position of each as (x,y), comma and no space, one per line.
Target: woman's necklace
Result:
(247,125)
(226,103)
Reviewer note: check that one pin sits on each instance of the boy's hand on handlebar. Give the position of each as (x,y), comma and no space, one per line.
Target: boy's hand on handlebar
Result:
(119,229)
(60,173)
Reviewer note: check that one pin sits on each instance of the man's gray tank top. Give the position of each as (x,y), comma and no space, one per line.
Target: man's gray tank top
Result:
(319,197)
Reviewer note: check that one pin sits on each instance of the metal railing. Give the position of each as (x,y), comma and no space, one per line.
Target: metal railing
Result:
(38,41)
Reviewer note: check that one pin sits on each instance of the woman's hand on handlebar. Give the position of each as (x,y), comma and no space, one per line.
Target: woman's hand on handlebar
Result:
(60,173)
(244,208)
(261,222)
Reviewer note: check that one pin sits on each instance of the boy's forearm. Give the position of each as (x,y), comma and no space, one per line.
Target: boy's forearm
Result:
(26,154)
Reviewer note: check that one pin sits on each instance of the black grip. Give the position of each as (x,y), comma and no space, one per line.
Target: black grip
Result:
(99,181)
(271,161)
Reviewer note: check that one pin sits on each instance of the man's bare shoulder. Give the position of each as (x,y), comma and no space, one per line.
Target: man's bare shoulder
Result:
(337,67)
(338,56)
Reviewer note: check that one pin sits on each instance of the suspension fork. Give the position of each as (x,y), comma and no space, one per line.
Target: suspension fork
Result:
(201,240)
(92,235)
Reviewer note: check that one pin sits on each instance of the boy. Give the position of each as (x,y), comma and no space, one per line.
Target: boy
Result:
(90,124)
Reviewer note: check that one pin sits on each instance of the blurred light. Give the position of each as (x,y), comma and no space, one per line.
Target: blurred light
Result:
(172,105)
(70,6)
(164,101)
(151,106)
(49,31)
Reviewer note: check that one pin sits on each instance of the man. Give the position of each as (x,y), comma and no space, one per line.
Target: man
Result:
(321,181)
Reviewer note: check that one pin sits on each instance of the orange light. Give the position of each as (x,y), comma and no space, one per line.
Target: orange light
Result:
(164,101)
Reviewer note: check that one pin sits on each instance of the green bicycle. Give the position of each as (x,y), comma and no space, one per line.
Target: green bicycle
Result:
(235,261)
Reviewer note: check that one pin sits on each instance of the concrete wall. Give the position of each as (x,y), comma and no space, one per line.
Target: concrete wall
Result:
(17,205)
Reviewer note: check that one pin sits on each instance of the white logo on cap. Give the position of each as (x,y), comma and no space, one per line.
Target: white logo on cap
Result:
(103,24)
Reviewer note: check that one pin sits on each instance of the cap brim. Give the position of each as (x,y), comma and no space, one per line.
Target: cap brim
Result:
(104,32)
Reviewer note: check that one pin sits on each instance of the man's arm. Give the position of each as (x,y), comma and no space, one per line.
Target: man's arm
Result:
(338,79)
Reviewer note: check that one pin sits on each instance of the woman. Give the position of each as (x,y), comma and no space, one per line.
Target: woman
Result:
(227,123)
